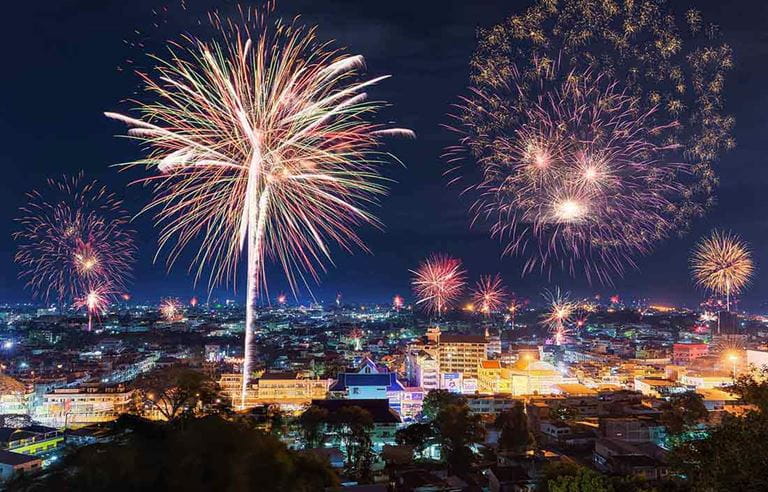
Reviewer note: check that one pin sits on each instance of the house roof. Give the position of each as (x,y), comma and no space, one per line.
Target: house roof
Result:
(345,380)
(11,458)
(378,408)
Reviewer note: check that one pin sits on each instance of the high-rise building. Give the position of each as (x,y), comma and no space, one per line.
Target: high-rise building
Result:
(462,354)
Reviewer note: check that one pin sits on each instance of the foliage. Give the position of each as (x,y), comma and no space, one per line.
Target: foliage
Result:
(353,426)
(417,435)
(205,454)
(437,399)
(585,480)
(683,412)
(513,424)
(457,431)
(178,392)
(311,425)
(734,456)
(564,413)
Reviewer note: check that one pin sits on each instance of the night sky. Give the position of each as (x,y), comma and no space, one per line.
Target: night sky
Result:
(60,72)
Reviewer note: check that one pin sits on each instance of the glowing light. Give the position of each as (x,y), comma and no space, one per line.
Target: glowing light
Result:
(398,302)
(95,301)
(438,282)
(263,145)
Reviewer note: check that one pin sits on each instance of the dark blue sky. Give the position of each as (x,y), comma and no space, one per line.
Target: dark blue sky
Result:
(60,73)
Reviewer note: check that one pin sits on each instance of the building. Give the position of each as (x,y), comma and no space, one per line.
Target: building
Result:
(423,369)
(288,388)
(385,420)
(684,353)
(369,382)
(657,387)
(12,464)
(84,405)
(462,354)
(30,440)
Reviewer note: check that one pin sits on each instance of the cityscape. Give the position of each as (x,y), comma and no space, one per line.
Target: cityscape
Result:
(384,247)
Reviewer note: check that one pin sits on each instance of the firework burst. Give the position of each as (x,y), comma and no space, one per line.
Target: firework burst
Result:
(94,300)
(489,294)
(582,173)
(438,282)
(264,148)
(594,129)
(73,236)
(722,264)
(398,302)
(171,309)
(559,315)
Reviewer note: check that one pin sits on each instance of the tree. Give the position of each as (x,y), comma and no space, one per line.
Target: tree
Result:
(311,424)
(585,480)
(207,453)
(683,412)
(417,435)
(752,387)
(734,455)
(457,431)
(353,426)
(437,399)
(513,424)
(564,413)
(178,392)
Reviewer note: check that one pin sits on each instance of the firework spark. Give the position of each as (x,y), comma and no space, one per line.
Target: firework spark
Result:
(171,309)
(73,236)
(722,264)
(438,282)
(559,315)
(489,294)
(265,149)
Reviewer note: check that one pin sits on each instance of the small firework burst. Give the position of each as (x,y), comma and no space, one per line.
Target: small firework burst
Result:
(398,302)
(73,236)
(438,282)
(559,315)
(722,264)
(94,300)
(489,294)
(171,309)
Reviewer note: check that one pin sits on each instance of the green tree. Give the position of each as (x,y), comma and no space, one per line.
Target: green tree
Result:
(683,412)
(734,456)
(311,425)
(418,435)
(513,425)
(353,426)
(205,454)
(438,399)
(585,480)
(457,431)
(178,392)
(564,413)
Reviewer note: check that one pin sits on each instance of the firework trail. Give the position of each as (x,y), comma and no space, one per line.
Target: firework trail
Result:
(438,282)
(559,315)
(489,294)
(722,264)
(264,148)
(171,309)
(73,236)
(594,130)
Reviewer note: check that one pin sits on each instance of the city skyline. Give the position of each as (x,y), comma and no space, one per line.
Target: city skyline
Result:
(422,215)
